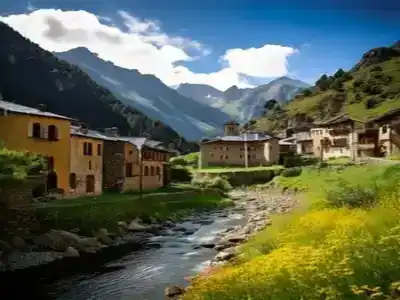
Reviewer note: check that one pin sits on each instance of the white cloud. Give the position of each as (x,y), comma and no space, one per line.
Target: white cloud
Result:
(143,45)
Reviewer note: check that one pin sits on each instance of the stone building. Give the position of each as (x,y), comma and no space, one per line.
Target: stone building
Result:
(389,132)
(236,149)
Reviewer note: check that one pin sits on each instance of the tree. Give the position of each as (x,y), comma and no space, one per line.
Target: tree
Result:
(270,104)
(306,92)
(324,82)
(339,73)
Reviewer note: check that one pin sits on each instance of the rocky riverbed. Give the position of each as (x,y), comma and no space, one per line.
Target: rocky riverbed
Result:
(175,250)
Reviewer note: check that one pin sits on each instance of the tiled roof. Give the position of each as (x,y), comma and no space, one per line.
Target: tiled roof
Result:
(338,119)
(386,115)
(240,138)
(16,108)
(75,130)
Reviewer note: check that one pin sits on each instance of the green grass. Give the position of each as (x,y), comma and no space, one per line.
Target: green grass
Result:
(234,169)
(105,211)
(319,253)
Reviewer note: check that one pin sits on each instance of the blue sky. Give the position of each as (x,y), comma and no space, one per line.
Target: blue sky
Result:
(328,35)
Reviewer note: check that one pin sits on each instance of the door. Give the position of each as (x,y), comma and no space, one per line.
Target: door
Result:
(90,183)
(51,180)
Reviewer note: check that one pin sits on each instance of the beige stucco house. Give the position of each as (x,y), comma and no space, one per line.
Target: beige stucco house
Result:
(389,132)
(235,149)
(344,136)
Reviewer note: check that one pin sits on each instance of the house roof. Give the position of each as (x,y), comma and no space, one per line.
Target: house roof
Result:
(337,119)
(16,108)
(75,130)
(151,144)
(386,115)
(231,123)
(290,141)
(240,138)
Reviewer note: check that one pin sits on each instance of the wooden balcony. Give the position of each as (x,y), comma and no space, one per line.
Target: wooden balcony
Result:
(339,131)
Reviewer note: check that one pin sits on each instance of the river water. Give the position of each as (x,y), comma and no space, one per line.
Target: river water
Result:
(144,274)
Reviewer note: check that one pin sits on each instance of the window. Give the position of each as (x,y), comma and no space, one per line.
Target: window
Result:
(52,133)
(248,156)
(87,149)
(90,164)
(146,171)
(158,171)
(384,129)
(36,130)
(221,157)
(129,170)
(226,148)
(151,171)
(226,156)
(50,163)
(212,155)
(98,149)
(241,156)
(220,148)
(72,181)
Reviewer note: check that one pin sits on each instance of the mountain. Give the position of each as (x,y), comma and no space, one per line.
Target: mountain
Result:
(148,94)
(244,104)
(30,76)
(369,89)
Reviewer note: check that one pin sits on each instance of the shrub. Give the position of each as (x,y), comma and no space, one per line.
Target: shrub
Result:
(291,172)
(216,182)
(292,161)
(178,161)
(180,174)
(344,194)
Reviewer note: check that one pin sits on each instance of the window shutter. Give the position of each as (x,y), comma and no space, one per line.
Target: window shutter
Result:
(30,129)
(45,133)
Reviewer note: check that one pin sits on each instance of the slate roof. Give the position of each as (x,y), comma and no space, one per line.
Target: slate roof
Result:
(386,115)
(337,119)
(75,130)
(240,138)
(151,144)
(16,108)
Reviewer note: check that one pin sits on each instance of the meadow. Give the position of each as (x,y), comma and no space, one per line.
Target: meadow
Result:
(342,242)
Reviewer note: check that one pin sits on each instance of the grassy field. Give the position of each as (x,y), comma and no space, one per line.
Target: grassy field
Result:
(105,211)
(325,251)
(234,169)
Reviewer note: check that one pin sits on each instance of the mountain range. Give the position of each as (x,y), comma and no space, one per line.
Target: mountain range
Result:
(244,104)
(79,84)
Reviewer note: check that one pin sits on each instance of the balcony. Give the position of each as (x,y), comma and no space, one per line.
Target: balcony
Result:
(339,131)
(366,143)
(303,136)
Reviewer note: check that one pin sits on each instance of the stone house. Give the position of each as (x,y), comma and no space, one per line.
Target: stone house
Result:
(235,149)
(86,177)
(38,131)
(389,132)
(123,164)
(344,136)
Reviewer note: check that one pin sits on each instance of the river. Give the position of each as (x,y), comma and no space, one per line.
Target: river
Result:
(144,274)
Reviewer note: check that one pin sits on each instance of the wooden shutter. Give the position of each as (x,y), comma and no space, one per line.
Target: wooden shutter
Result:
(30,129)
(45,133)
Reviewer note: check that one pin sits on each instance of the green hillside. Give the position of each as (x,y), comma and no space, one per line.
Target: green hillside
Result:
(370,89)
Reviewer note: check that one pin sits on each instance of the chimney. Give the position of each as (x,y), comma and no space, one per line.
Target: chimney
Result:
(113,131)
(41,107)
(83,127)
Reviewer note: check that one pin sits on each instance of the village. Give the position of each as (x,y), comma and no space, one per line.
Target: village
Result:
(339,137)
(82,161)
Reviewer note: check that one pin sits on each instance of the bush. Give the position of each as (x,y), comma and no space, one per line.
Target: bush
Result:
(216,182)
(178,161)
(292,161)
(291,172)
(190,159)
(343,194)
(180,174)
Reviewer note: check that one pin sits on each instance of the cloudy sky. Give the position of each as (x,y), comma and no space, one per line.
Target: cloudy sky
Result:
(219,43)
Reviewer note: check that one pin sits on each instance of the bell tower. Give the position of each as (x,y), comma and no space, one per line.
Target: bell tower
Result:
(231,128)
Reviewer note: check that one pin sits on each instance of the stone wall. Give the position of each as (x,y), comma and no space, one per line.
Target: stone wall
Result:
(19,192)
(113,165)
(16,215)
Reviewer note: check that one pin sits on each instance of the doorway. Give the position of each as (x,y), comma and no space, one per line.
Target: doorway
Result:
(90,183)
(51,180)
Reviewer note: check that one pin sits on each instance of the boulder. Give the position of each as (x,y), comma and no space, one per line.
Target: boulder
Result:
(71,252)
(236,238)
(225,255)
(123,225)
(209,245)
(104,237)
(18,243)
(223,245)
(173,291)
(135,225)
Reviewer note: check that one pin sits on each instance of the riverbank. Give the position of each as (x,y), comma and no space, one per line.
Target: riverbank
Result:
(76,229)
(341,244)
